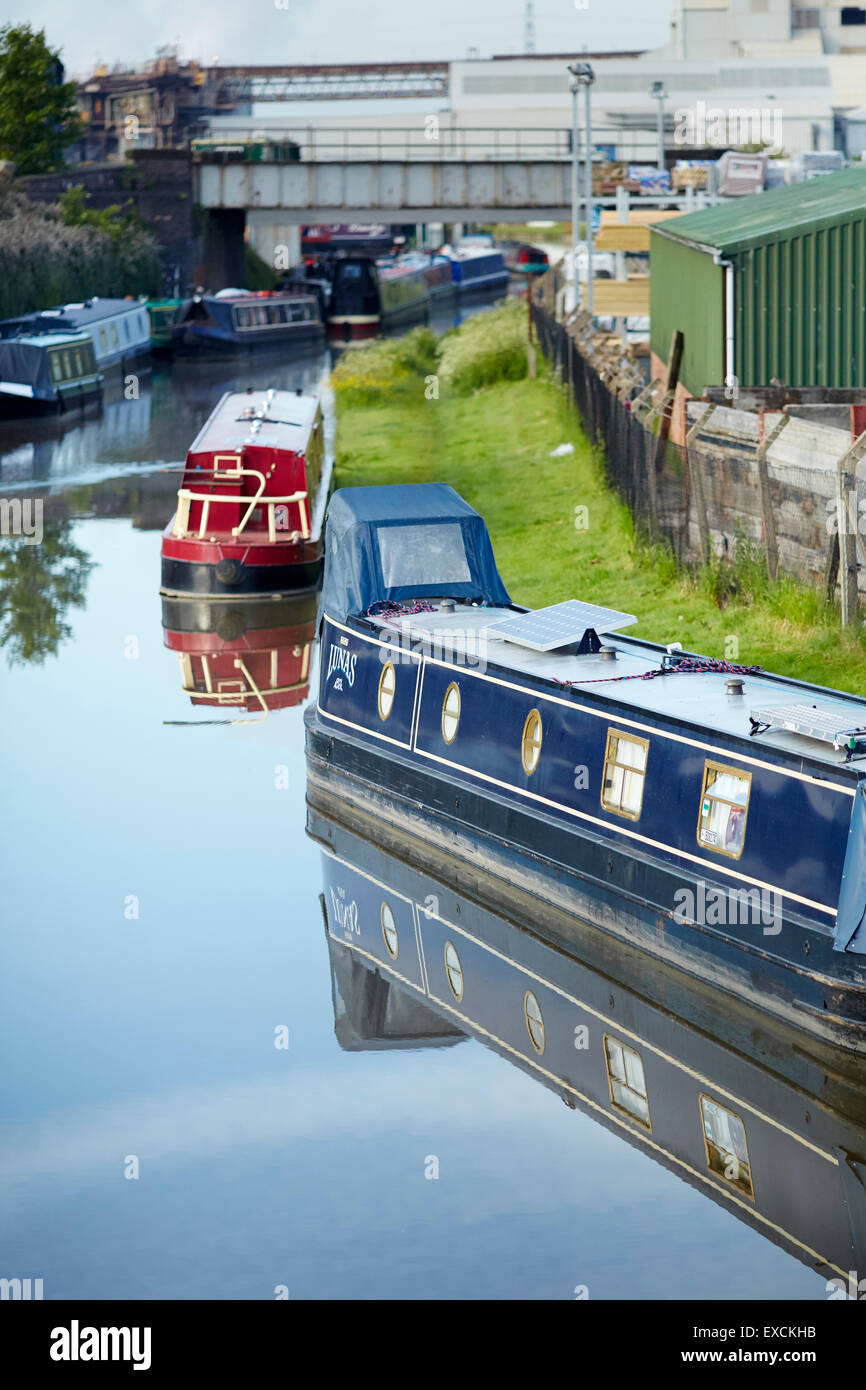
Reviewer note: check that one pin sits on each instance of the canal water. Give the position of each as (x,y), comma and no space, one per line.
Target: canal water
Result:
(179,1119)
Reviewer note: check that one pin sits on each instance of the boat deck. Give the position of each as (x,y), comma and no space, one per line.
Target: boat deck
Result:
(467,636)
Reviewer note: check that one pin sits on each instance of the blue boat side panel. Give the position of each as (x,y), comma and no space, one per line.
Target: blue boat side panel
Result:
(569,777)
(354,905)
(349,685)
(498,968)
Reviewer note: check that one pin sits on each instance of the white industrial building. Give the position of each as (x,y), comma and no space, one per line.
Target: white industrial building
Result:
(733,73)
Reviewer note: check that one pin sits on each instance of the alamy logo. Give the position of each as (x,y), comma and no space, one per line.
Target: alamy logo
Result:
(75,1343)
(343,662)
(23,1289)
(718,907)
(718,127)
(22,517)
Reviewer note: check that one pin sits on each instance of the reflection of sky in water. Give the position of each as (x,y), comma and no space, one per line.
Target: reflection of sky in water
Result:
(155,1037)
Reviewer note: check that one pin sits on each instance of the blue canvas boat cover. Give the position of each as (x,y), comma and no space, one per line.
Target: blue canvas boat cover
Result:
(412,540)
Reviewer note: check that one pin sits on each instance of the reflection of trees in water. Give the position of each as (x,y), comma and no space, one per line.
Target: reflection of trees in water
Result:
(38,584)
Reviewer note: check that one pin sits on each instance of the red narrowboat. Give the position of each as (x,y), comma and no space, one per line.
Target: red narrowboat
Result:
(247,655)
(251,505)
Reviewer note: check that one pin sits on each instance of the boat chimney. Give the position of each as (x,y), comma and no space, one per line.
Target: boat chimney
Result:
(735,686)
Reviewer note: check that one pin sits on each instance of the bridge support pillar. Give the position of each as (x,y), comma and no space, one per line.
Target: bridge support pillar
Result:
(224,249)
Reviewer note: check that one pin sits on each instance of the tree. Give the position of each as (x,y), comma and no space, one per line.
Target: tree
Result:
(38,585)
(38,110)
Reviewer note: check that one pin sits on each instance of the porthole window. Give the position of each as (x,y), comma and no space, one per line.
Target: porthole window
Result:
(530,747)
(450,713)
(387,686)
(454,971)
(389,931)
(626,1080)
(534,1021)
(725,1143)
(724,807)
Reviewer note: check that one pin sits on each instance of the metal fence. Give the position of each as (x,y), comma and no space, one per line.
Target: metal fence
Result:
(624,417)
(780,473)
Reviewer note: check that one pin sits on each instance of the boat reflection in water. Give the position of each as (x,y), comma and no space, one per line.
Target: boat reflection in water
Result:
(767,1123)
(235,655)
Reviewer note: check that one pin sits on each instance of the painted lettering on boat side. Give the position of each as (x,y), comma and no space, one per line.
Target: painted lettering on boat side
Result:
(345,914)
(341,663)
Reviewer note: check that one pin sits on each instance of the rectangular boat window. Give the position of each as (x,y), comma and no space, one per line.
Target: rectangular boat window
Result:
(724,806)
(56,367)
(126,329)
(626,1079)
(103,341)
(113,328)
(67,365)
(622,786)
(422,555)
(725,1142)
(79,365)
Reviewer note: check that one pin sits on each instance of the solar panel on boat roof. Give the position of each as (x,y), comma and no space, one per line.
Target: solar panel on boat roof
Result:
(829,723)
(558,625)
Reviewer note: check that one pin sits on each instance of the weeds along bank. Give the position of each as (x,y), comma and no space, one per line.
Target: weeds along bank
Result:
(461,410)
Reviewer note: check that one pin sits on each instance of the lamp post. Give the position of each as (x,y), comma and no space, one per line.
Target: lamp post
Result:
(658,91)
(584,77)
(575,199)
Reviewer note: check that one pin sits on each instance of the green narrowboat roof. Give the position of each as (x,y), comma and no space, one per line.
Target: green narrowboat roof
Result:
(773,216)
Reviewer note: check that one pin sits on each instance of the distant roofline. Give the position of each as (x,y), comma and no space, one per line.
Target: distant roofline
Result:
(558,57)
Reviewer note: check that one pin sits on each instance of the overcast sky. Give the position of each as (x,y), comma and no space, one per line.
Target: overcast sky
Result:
(332,31)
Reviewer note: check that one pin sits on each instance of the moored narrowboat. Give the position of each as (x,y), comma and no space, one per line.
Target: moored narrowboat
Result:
(234,321)
(762,1120)
(479,272)
(370,296)
(45,370)
(250,655)
(251,505)
(522,258)
(118,328)
(163,316)
(712,815)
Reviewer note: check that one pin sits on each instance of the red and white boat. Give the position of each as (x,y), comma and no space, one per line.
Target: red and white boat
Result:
(251,506)
(251,656)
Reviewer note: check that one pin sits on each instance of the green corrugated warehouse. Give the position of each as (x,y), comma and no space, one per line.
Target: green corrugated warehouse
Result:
(769,285)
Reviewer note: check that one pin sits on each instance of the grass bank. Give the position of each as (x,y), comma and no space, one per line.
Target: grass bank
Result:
(558,530)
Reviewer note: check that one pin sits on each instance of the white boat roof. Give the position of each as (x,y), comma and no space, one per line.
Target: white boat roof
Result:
(262,419)
(69,338)
(699,699)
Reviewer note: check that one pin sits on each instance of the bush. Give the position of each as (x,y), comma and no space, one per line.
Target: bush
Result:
(368,375)
(44,261)
(486,348)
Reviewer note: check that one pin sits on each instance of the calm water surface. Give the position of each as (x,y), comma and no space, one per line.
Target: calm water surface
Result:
(162,921)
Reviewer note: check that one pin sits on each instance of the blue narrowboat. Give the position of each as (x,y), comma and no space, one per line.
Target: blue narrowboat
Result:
(743,1110)
(234,321)
(479,272)
(118,328)
(45,370)
(712,815)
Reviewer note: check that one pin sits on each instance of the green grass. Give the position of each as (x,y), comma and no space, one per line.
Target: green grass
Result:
(494,447)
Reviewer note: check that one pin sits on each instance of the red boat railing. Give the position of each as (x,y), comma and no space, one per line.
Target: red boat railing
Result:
(186,496)
(233,692)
